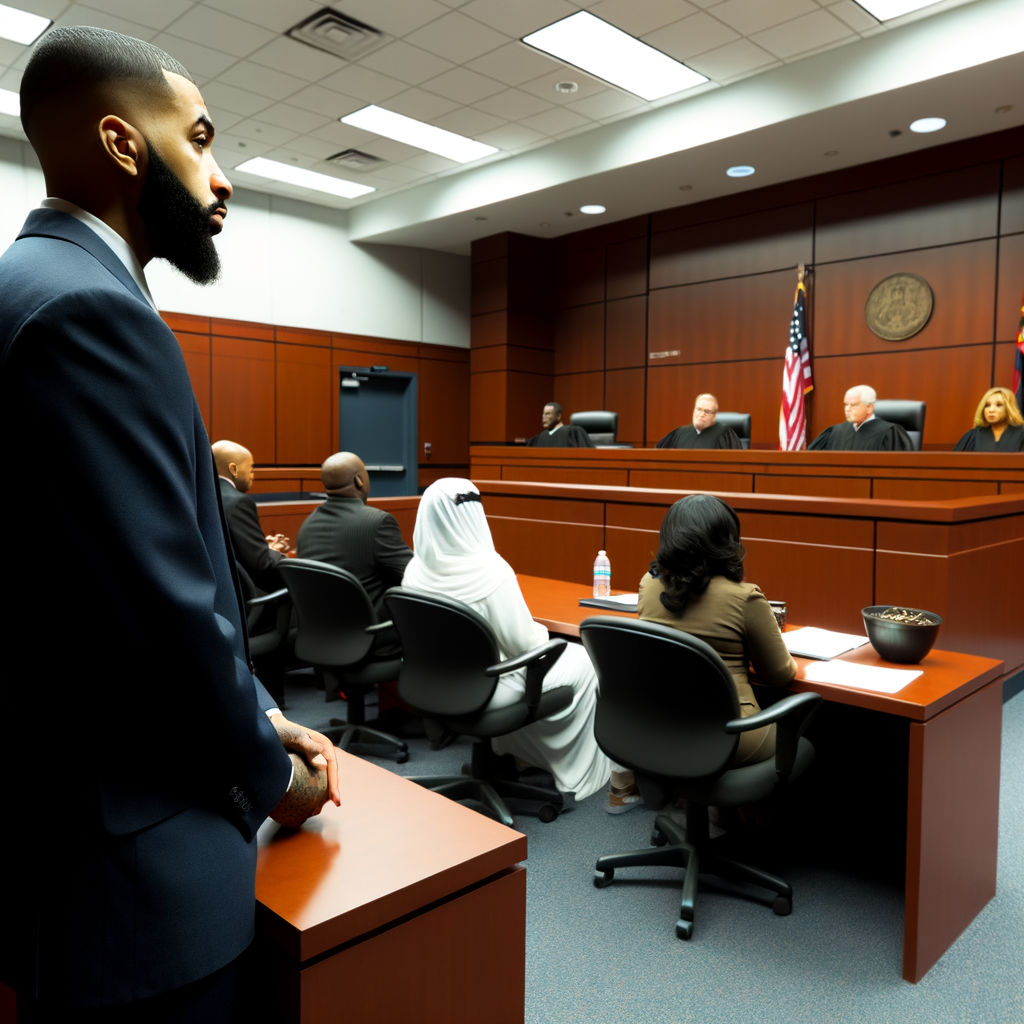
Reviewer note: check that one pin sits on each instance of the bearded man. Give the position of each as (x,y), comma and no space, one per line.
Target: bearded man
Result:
(130,881)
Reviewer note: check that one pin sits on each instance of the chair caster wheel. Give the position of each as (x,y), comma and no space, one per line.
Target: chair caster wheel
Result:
(658,838)
(782,906)
(684,929)
(403,756)
(602,879)
(547,814)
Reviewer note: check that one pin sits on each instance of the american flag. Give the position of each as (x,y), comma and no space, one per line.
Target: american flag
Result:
(797,379)
(1018,362)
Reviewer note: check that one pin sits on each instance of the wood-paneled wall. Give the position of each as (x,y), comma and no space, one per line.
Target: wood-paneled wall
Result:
(275,389)
(646,313)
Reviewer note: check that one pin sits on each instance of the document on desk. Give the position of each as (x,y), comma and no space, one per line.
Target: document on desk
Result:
(617,603)
(861,677)
(821,644)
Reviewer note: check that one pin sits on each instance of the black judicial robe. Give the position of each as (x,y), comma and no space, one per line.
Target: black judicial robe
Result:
(564,437)
(874,436)
(718,435)
(981,439)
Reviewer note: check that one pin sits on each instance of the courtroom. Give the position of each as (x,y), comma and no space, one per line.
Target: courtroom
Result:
(547,483)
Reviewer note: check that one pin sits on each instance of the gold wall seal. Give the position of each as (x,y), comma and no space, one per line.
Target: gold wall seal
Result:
(899,306)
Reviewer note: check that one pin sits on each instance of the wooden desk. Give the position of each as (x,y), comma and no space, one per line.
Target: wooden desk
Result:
(955,734)
(396,876)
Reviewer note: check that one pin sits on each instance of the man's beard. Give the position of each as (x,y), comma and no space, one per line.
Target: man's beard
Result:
(177,224)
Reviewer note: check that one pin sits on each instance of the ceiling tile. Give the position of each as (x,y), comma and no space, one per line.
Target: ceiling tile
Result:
(469,122)
(807,33)
(81,15)
(237,101)
(199,59)
(222,120)
(578,130)
(221,31)
(287,155)
(396,17)
(511,137)
(513,104)
(424,106)
(544,87)
(153,13)
(319,100)
(638,19)
(341,136)
(276,15)
(749,16)
(294,58)
(691,36)
(457,38)
(261,131)
(388,149)
(513,63)
(463,85)
(736,58)
(399,172)
(298,121)
(44,8)
(521,17)
(315,149)
(261,80)
(406,63)
(363,83)
(10,79)
(854,15)
(609,103)
(431,163)
(232,150)
(11,51)
(553,121)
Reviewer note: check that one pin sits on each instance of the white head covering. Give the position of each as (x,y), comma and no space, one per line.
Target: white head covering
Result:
(455,554)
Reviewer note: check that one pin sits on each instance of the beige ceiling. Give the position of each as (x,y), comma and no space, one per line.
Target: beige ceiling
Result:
(454,63)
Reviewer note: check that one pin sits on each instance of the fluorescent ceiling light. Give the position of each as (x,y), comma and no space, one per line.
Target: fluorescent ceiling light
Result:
(592,208)
(740,171)
(10,103)
(884,10)
(276,171)
(20,26)
(415,133)
(928,124)
(609,53)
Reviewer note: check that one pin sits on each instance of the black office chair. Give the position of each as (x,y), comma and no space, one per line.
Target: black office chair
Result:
(909,415)
(668,710)
(740,422)
(450,669)
(267,648)
(602,426)
(336,634)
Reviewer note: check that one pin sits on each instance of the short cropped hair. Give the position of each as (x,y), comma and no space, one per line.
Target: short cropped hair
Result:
(555,406)
(80,56)
(866,394)
(1013,415)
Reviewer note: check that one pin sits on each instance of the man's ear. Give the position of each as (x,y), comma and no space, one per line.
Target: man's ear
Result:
(233,468)
(123,143)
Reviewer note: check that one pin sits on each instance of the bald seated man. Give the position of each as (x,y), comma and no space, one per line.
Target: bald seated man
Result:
(862,431)
(352,535)
(130,862)
(256,553)
(704,431)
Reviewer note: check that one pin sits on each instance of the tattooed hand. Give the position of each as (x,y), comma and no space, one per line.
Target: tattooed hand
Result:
(305,796)
(309,743)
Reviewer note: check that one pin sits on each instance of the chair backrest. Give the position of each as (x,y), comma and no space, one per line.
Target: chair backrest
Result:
(665,698)
(909,415)
(446,648)
(739,421)
(333,611)
(602,426)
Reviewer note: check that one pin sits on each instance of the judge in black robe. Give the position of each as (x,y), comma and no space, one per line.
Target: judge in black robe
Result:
(703,432)
(862,431)
(556,434)
(997,408)
(982,439)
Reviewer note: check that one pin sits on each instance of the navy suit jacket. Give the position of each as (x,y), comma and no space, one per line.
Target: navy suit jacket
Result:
(138,858)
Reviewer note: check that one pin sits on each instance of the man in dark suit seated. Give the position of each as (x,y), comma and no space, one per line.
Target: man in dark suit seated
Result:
(130,861)
(556,434)
(862,431)
(704,431)
(257,554)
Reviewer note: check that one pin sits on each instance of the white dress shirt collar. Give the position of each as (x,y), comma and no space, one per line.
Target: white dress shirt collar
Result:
(857,426)
(121,249)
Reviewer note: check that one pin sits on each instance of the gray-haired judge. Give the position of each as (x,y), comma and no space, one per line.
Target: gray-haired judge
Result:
(863,431)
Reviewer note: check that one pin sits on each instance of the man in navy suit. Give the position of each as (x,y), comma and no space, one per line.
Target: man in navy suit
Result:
(129,888)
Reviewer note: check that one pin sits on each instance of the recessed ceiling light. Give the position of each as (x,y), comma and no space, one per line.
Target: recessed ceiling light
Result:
(928,124)
(20,26)
(884,10)
(831,152)
(740,171)
(276,171)
(479,218)
(592,208)
(566,87)
(685,188)
(1004,109)
(10,103)
(606,52)
(415,133)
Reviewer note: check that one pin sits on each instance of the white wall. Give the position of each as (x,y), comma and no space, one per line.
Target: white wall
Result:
(290,263)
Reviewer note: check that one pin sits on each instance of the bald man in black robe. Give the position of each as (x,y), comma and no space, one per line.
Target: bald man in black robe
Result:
(862,431)
(704,432)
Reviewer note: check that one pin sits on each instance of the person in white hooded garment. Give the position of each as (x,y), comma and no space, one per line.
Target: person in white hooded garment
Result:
(455,557)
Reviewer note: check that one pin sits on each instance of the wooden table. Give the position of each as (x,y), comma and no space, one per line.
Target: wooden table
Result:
(955,718)
(399,905)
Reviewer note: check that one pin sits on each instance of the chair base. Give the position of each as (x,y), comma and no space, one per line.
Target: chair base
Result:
(692,849)
(347,735)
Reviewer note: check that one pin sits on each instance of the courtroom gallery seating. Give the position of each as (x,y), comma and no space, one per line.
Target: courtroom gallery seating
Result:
(668,710)
(740,423)
(908,414)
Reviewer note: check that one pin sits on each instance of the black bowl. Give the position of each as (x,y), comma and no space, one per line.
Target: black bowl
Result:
(902,642)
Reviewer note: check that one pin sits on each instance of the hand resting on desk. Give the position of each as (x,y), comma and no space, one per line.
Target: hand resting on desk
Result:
(315,773)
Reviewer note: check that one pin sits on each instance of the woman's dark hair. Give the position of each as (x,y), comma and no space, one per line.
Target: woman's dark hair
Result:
(699,539)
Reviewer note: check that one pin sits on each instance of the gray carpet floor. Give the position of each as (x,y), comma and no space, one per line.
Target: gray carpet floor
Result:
(611,955)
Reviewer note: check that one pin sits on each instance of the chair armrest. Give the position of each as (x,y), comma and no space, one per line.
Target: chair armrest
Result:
(379,627)
(538,663)
(793,714)
(255,606)
(774,713)
(520,660)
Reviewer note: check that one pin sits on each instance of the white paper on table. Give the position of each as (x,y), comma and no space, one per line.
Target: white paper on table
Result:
(630,600)
(811,642)
(861,677)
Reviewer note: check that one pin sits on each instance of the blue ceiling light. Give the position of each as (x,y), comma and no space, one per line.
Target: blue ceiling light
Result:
(740,171)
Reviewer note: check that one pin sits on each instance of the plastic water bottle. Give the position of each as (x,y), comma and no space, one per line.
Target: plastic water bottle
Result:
(602,575)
